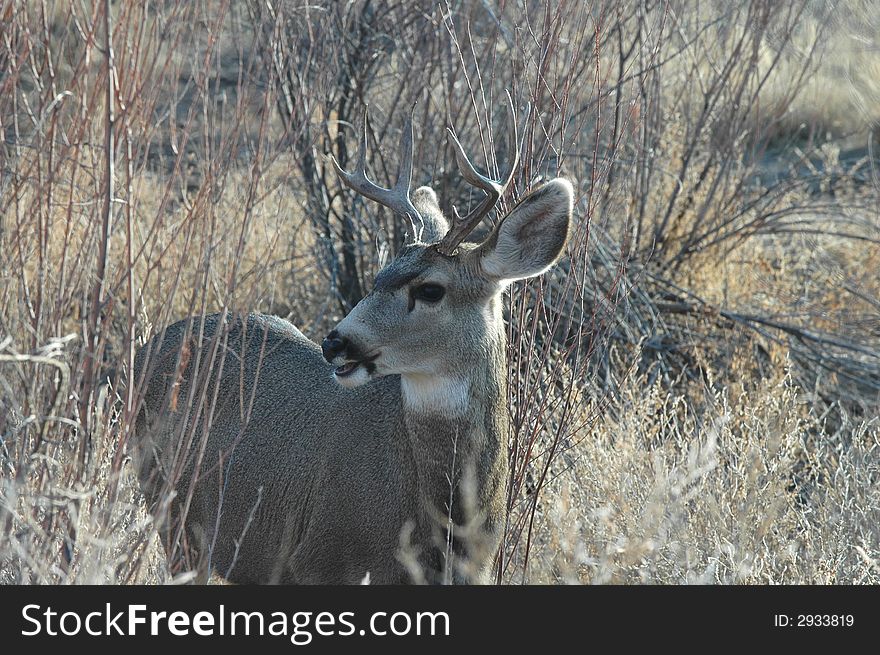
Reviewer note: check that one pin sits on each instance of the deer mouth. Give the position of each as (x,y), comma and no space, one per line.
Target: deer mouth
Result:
(348,368)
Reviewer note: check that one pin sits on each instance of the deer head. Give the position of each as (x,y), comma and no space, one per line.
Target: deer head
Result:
(435,311)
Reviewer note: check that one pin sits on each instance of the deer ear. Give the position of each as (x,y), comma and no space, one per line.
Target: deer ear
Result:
(425,201)
(530,239)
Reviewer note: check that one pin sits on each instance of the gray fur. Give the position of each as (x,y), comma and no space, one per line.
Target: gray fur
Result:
(304,480)
(435,226)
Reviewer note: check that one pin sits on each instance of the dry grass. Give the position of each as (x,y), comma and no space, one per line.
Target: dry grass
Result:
(842,98)
(723,489)
(695,392)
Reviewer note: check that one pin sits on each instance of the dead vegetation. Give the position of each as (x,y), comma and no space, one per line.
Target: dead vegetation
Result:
(695,392)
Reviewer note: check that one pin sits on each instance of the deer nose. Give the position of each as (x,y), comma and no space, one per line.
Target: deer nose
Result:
(332,345)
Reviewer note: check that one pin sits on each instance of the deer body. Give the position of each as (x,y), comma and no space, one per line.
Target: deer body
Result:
(383,452)
(328,493)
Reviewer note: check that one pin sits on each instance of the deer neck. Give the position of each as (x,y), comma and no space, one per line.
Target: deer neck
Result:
(457,426)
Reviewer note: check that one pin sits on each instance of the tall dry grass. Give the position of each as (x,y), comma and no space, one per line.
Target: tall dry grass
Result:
(694,392)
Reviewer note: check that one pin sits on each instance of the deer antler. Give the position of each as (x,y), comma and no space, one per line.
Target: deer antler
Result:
(461,227)
(397,197)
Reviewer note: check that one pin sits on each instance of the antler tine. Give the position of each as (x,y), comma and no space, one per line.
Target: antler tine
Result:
(397,197)
(494,189)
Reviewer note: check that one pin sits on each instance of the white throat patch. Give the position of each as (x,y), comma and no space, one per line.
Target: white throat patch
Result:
(432,394)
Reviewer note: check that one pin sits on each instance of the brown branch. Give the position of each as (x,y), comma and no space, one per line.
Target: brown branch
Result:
(92,330)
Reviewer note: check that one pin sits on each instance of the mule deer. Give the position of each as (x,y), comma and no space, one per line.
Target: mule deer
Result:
(383,453)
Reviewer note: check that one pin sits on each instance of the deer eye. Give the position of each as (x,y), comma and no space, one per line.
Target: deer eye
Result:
(428,292)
